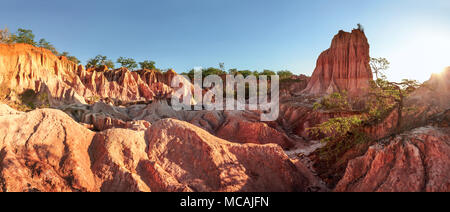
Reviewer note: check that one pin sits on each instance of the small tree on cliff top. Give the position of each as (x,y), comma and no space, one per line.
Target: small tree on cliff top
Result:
(385,95)
(360,27)
(128,63)
(98,61)
(47,45)
(379,65)
(69,57)
(147,64)
(24,36)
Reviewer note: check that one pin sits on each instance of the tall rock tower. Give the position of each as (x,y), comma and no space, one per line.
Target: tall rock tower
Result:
(343,67)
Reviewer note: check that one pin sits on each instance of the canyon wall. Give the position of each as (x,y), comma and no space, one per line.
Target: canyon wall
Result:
(25,67)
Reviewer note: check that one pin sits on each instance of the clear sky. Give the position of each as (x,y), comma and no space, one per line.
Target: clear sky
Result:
(244,34)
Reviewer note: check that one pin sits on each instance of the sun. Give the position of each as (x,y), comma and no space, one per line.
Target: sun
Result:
(421,54)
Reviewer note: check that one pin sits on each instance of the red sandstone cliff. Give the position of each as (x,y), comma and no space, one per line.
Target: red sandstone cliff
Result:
(25,67)
(344,66)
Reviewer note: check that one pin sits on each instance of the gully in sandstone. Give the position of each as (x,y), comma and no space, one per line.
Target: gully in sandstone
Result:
(71,124)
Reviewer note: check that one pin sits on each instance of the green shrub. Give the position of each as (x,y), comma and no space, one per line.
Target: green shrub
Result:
(335,101)
(336,128)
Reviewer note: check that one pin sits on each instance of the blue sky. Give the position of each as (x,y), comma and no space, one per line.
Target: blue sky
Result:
(244,34)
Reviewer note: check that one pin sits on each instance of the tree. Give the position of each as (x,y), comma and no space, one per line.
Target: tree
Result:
(285,74)
(245,73)
(335,101)
(233,71)
(98,61)
(379,65)
(360,27)
(222,66)
(390,94)
(268,73)
(24,36)
(71,58)
(212,71)
(148,65)
(5,36)
(337,128)
(47,45)
(127,63)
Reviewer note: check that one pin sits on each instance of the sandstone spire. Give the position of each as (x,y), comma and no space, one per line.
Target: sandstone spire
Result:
(344,66)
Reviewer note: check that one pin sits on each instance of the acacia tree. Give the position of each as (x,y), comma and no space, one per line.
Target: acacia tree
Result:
(233,71)
(47,45)
(24,36)
(128,63)
(268,73)
(385,94)
(285,74)
(379,65)
(147,64)
(98,61)
(69,57)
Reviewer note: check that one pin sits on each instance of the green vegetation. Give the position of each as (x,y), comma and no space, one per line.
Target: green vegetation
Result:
(147,64)
(128,63)
(69,57)
(205,72)
(93,99)
(384,96)
(98,61)
(246,73)
(24,36)
(379,65)
(344,133)
(285,74)
(47,45)
(340,135)
(335,101)
(30,100)
(268,73)
(337,128)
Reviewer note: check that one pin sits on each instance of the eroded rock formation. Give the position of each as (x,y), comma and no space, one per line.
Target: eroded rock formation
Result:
(235,126)
(45,150)
(25,67)
(343,67)
(415,161)
(431,98)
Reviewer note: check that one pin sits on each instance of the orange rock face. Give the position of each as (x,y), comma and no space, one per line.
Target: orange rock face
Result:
(345,66)
(24,67)
(416,161)
(45,150)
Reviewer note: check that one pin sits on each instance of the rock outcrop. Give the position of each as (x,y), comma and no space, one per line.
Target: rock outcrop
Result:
(416,161)
(345,66)
(25,67)
(234,126)
(293,86)
(431,98)
(45,150)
